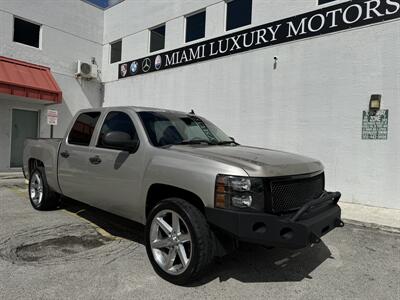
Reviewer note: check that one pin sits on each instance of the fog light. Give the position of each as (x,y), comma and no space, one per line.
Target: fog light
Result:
(241,201)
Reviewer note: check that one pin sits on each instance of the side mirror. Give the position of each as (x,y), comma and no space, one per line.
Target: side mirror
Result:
(232,138)
(120,140)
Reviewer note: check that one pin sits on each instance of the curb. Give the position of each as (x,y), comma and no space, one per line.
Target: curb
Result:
(372,226)
(11,175)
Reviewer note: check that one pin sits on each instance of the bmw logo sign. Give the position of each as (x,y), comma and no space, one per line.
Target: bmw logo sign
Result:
(134,67)
(158,62)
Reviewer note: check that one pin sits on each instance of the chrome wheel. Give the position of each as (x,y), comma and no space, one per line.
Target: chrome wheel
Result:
(36,189)
(170,242)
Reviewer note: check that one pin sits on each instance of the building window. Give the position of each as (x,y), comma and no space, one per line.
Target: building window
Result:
(238,13)
(26,33)
(116,50)
(320,2)
(196,26)
(157,38)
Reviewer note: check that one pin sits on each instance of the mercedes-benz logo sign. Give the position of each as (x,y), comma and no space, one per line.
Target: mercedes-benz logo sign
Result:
(146,65)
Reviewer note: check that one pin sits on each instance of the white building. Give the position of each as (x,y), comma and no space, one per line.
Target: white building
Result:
(294,75)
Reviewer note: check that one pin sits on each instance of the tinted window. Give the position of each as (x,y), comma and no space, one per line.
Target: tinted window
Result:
(157,38)
(116,50)
(195,26)
(117,121)
(83,128)
(26,33)
(238,13)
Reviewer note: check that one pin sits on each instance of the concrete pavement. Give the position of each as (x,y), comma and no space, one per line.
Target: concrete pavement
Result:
(78,252)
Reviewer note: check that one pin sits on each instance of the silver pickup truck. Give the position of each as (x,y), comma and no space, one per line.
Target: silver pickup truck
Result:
(197,191)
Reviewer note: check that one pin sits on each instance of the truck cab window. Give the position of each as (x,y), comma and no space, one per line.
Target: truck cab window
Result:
(117,121)
(82,131)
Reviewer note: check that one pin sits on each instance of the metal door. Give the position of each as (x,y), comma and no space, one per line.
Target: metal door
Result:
(24,124)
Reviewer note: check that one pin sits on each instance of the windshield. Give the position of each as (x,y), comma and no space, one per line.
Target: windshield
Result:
(171,128)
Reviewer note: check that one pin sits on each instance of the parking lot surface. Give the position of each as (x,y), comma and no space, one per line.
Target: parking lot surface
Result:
(78,252)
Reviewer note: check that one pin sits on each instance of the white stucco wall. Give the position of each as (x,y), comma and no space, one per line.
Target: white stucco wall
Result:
(311,104)
(71,31)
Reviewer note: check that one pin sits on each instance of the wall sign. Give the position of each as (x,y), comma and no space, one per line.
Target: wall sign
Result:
(52,117)
(375,125)
(351,14)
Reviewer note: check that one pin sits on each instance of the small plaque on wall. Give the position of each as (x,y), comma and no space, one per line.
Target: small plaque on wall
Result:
(375,125)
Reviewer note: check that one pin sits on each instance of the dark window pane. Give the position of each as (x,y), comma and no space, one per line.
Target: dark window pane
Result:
(196,26)
(26,33)
(320,2)
(157,38)
(117,121)
(83,128)
(116,50)
(238,13)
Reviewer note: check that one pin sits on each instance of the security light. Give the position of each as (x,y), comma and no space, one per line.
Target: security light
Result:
(375,102)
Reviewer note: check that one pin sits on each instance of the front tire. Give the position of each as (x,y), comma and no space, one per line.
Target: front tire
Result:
(178,241)
(40,194)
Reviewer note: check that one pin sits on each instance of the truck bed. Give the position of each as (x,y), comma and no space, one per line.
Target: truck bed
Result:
(45,150)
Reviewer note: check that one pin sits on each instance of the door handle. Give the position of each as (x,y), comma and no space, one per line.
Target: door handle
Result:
(95,160)
(65,154)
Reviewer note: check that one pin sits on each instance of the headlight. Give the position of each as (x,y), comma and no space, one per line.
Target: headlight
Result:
(235,192)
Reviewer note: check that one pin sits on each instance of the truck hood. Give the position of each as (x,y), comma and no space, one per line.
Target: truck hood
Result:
(257,162)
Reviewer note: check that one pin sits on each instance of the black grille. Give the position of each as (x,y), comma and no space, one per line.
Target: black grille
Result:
(289,195)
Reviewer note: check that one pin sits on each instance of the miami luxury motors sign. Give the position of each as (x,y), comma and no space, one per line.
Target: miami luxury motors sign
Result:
(343,16)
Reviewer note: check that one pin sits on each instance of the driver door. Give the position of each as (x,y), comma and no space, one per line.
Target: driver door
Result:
(114,175)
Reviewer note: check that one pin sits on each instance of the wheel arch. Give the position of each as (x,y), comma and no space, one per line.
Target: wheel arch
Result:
(33,163)
(158,192)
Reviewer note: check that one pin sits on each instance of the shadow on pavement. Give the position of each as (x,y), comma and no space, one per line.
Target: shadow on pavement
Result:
(250,263)
(116,226)
(253,263)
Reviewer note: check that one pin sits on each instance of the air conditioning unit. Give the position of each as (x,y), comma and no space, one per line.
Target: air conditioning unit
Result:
(86,70)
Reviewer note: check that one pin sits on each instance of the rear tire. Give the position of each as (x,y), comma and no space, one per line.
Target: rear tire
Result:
(179,242)
(40,194)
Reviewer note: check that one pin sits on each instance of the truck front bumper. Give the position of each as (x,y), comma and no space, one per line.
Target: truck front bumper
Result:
(305,227)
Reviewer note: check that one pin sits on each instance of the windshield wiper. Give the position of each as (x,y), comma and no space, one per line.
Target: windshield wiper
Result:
(202,141)
(227,143)
(196,142)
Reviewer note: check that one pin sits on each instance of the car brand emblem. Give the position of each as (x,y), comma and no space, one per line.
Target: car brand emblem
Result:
(134,67)
(146,65)
(158,62)
(124,70)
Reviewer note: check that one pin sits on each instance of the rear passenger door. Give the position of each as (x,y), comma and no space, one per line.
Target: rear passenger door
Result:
(74,156)
(114,175)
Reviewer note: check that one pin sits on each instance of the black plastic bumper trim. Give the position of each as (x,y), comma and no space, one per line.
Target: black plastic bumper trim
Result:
(272,230)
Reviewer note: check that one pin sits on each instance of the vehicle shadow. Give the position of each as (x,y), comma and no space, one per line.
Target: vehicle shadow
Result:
(250,263)
(253,263)
(114,225)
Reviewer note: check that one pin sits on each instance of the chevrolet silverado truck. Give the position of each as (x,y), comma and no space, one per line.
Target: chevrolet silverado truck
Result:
(196,190)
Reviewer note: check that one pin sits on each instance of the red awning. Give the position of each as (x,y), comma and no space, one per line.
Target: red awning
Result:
(23,79)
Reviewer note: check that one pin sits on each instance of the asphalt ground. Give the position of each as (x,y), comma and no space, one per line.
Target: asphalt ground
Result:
(78,252)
